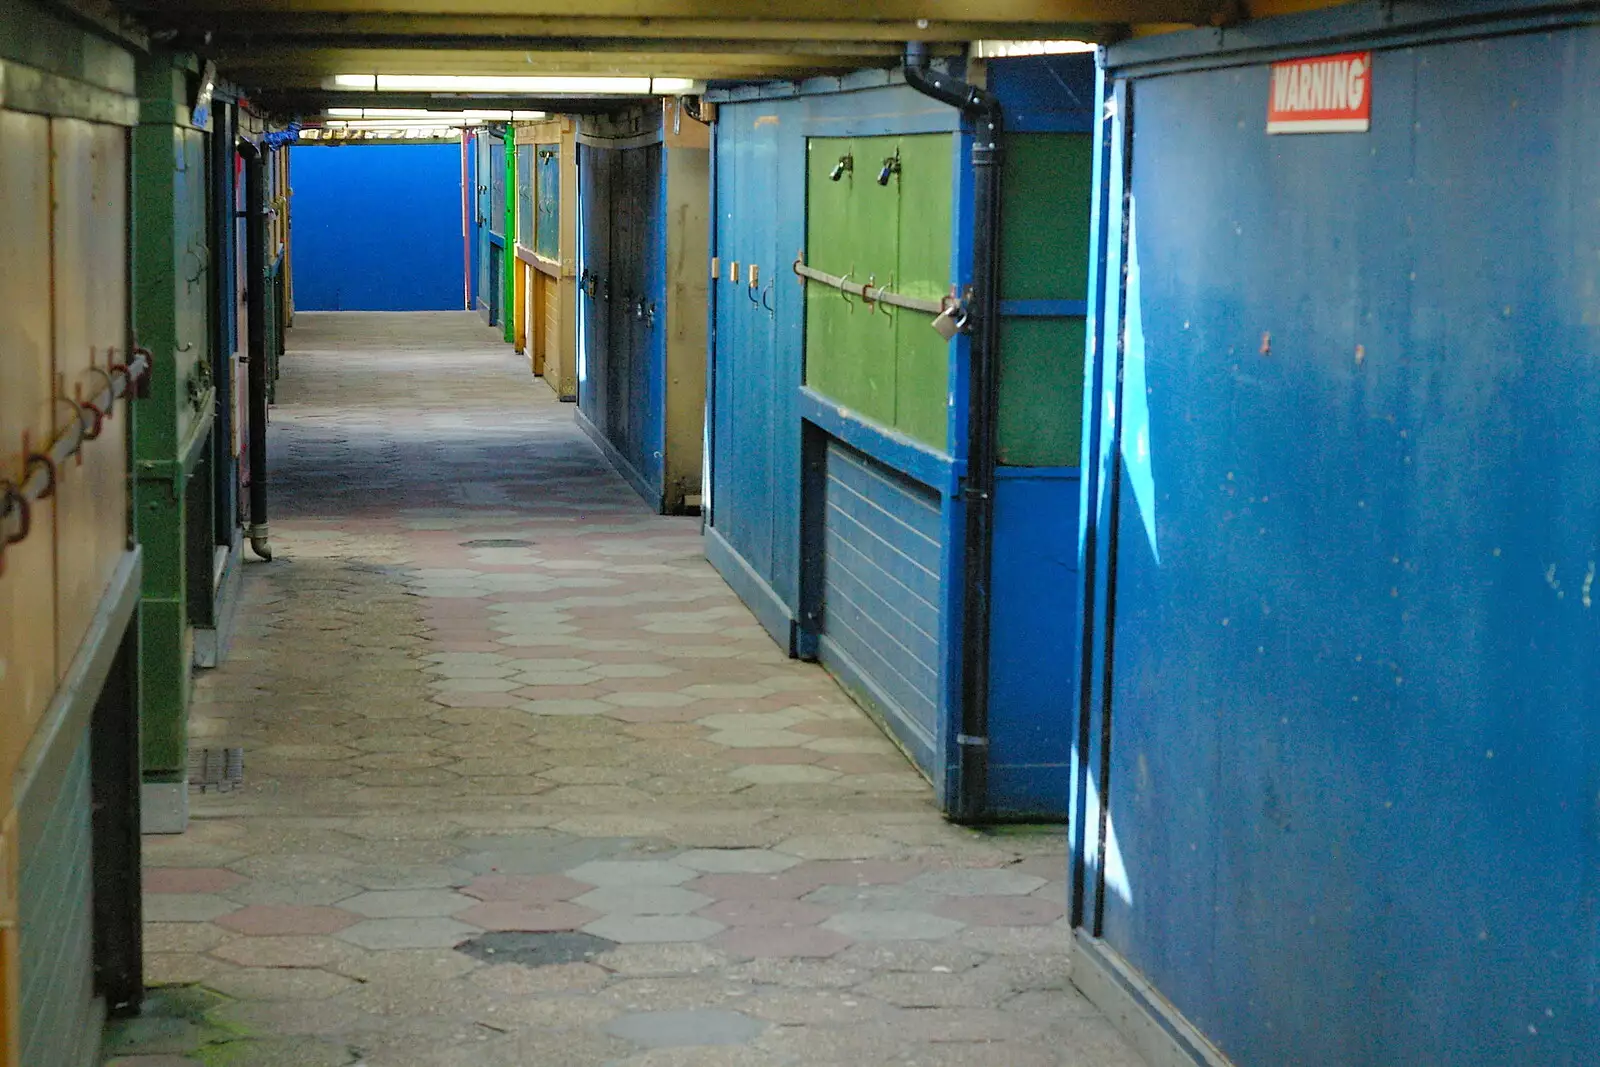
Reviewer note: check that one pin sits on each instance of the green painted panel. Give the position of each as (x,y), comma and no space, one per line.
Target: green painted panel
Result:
(1041,392)
(922,357)
(850,231)
(165,657)
(547,192)
(887,365)
(1044,233)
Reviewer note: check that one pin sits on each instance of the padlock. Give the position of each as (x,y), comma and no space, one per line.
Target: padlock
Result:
(951,321)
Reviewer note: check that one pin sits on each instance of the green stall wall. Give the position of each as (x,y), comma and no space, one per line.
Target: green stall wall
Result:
(886,364)
(171,287)
(1044,255)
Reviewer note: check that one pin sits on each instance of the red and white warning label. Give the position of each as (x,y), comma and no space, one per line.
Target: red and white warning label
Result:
(1324,94)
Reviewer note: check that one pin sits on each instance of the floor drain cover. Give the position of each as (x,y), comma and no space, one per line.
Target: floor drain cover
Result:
(536,950)
(216,770)
(497,542)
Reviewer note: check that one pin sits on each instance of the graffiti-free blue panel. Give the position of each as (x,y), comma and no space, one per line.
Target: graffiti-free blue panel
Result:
(756,429)
(1032,626)
(1354,738)
(747,377)
(378,228)
(881,597)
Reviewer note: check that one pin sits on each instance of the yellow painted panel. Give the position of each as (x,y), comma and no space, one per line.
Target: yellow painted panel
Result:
(27,588)
(550,336)
(519,331)
(90,194)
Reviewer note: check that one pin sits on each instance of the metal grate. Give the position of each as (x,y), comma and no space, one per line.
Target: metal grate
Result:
(216,770)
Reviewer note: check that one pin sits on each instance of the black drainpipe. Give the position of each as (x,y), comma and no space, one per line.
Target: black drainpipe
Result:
(982,109)
(255,254)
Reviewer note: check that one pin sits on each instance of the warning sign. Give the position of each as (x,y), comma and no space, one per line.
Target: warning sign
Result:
(1326,94)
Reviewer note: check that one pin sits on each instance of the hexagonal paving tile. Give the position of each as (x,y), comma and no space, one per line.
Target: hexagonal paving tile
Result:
(630,929)
(697,1028)
(642,900)
(186,907)
(631,873)
(735,860)
(892,925)
(528,888)
(783,774)
(190,880)
(528,917)
(407,933)
(979,882)
(266,920)
(767,942)
(407,903)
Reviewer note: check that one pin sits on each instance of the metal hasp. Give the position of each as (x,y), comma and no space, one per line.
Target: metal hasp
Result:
(16,501)
(873,294)
(982,109)
(255,245)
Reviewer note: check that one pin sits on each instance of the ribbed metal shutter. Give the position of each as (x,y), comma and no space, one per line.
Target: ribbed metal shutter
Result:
(881,594)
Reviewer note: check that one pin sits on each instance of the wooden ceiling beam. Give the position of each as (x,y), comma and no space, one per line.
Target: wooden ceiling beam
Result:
(280,64)
(226,46)
(361,28)
(721,14)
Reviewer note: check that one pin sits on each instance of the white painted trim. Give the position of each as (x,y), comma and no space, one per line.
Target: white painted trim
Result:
(1319,126)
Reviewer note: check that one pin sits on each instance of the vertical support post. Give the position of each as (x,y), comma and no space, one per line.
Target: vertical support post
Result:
(508,258)
(255,210)
(982,109)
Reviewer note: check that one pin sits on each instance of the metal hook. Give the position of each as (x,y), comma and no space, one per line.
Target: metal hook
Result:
(842,291)
(11,496)
(750,291)
(765,303)
(33,460)
(111,387)
(99,417)
(14,498)
(77,414)
(878,300)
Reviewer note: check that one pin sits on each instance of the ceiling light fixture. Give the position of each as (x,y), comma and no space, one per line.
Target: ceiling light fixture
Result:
(513,84)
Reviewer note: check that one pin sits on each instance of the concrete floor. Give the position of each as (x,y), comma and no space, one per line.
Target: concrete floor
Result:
(527,786)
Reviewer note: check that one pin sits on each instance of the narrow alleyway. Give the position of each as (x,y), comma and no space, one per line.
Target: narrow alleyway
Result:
(526,785)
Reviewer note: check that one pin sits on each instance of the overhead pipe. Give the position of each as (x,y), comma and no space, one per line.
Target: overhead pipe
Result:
(981,109)
(255,254)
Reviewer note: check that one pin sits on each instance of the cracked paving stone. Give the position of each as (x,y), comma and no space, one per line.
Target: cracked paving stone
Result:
(407,933)
(666,1029)
(422,709)
(892,925)
(628,929)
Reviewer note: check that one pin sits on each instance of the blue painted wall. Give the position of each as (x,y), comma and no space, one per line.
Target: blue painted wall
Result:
(1352,520)
(377,228)
(622,392)
(777,465)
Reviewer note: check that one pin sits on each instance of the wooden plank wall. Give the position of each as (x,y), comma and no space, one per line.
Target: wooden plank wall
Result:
(63,309)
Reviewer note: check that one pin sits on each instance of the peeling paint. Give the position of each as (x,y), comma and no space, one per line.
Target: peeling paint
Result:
(1588,586)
